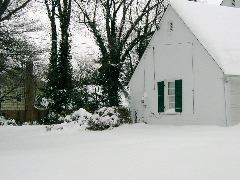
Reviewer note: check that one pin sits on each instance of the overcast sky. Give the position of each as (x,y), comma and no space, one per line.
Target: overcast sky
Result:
(83,46)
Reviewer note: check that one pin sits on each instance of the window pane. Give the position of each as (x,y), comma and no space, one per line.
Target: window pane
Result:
(171,91)
(171,84)
(171,95)
(171,105)
(171,99)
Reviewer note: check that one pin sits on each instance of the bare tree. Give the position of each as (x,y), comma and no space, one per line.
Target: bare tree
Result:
(51,6)
(120,28)
(10,7)
(60,69)
(12,43)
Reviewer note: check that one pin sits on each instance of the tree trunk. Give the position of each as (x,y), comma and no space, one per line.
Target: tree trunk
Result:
(60,70)
(109,79)
(113,90)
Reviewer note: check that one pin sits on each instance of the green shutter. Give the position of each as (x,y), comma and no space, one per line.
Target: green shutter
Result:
(178,95)
(161,96)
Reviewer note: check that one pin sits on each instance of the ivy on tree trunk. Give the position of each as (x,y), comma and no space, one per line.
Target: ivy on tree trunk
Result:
(59,88)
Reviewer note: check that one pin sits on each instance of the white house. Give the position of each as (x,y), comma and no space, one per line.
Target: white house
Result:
(190,72)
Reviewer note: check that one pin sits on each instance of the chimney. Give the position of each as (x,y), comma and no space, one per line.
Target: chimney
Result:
(29,92)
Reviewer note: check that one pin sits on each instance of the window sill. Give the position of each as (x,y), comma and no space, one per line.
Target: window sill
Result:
(170,112)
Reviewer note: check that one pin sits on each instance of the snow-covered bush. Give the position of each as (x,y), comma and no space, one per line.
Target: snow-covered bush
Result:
(51,118)
(104,118)
(82,116)
(74,120)
(6,122)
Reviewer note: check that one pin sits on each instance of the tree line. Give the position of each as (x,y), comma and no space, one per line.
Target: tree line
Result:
(121,30)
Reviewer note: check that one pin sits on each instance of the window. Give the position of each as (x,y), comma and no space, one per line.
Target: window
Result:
(170,96)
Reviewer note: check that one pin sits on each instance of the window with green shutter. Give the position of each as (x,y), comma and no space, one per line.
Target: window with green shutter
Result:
(171,95)
(178,95)
(161,96)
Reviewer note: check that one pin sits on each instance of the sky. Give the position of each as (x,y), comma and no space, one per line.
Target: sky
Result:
(83,45)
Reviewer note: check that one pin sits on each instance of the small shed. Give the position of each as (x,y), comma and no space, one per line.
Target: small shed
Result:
(190,72)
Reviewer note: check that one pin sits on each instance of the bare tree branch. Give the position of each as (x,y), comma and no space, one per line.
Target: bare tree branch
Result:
(122,30)
(7,11)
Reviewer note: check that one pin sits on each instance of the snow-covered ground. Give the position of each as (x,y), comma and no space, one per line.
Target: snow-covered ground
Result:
(130,152)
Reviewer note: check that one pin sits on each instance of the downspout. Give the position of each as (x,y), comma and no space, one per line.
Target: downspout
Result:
(193,73)
(225,81)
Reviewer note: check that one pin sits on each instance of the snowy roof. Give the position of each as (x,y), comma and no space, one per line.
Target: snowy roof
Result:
(217,28)
(218,2)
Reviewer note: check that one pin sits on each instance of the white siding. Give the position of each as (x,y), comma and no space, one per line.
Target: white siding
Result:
(137,91)
(179,55)
(235,99)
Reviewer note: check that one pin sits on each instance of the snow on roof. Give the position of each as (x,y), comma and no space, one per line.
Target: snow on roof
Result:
(217,28)
(215,2)
(218,2)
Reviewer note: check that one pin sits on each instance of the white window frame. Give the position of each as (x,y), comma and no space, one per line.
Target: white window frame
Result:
(168,110)
(169,95)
